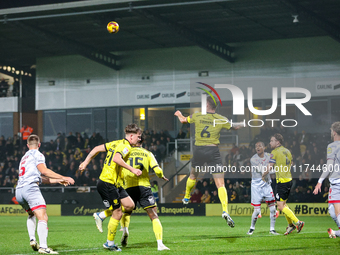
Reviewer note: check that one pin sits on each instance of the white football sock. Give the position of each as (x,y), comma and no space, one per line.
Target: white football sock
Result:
(272,217)
(102,215)
(256,212)
(331,211)
(31,225)
(42,233)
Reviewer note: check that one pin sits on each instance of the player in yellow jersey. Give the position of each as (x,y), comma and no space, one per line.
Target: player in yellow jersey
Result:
(110,180)
(281,161)
(139,189)
(205,151)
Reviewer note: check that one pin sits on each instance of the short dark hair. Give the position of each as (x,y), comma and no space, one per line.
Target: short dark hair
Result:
(142,138)
(278,137)
(33,139)
(261,143)
(132,128)
(211,102)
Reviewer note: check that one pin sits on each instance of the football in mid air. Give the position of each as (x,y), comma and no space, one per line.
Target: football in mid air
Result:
(112,27)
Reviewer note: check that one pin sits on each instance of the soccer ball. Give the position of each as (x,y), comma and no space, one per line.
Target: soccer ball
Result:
(112,27)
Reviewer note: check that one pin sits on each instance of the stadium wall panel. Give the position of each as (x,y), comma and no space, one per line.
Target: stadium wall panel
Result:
(17,210)
(300,209)
(87,209)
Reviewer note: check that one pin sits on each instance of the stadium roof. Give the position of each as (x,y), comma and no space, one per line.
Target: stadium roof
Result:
(79,27)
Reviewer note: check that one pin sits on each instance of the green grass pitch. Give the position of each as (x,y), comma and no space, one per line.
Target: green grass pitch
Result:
(182,234)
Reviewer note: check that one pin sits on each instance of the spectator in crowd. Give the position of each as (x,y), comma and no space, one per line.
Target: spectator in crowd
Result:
(26,131)
(234,197)
(297,196)
(303,138)
(180,135)
(206,197)
(3,87)
(214,198)
(16,88)
(234,149)
(72,139)
(196,197)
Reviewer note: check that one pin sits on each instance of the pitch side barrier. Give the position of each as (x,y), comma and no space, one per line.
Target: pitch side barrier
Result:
(240,209)
(237,209)
(17,210)
(87,209)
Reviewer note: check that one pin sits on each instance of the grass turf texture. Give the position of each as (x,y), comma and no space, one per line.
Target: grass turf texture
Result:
(182,234)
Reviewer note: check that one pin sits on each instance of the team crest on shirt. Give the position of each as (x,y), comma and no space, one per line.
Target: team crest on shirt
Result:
(329,150)
(115,202)
(271,155)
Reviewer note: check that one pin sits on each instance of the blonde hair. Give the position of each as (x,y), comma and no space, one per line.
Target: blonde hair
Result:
(336,127)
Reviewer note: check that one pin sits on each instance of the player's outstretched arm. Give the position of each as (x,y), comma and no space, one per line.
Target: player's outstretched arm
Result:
(47,180)
(181,118)
(93,153)
(52,175)
(119,160)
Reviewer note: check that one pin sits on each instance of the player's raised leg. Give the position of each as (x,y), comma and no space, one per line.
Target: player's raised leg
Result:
(99,217)
(191,181)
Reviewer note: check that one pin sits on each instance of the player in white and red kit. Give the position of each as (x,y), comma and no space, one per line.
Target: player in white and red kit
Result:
(332,171)
(261,190)
(32,166)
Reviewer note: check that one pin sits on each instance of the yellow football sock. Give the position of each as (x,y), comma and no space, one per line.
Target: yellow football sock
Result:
(190,185)
(223,196)
(289,214)
(112,229)
(108,212)
(157,229)
(125,221)
(290,222)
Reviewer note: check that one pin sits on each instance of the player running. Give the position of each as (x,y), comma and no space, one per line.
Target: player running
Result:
(332,171)
(280,162)
(139,189)
(28,194)
(261,189)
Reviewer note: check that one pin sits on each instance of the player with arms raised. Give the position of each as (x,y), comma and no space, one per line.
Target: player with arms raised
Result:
(332,171)
(205,151)
(28,194)
(261,189)
(280,162)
